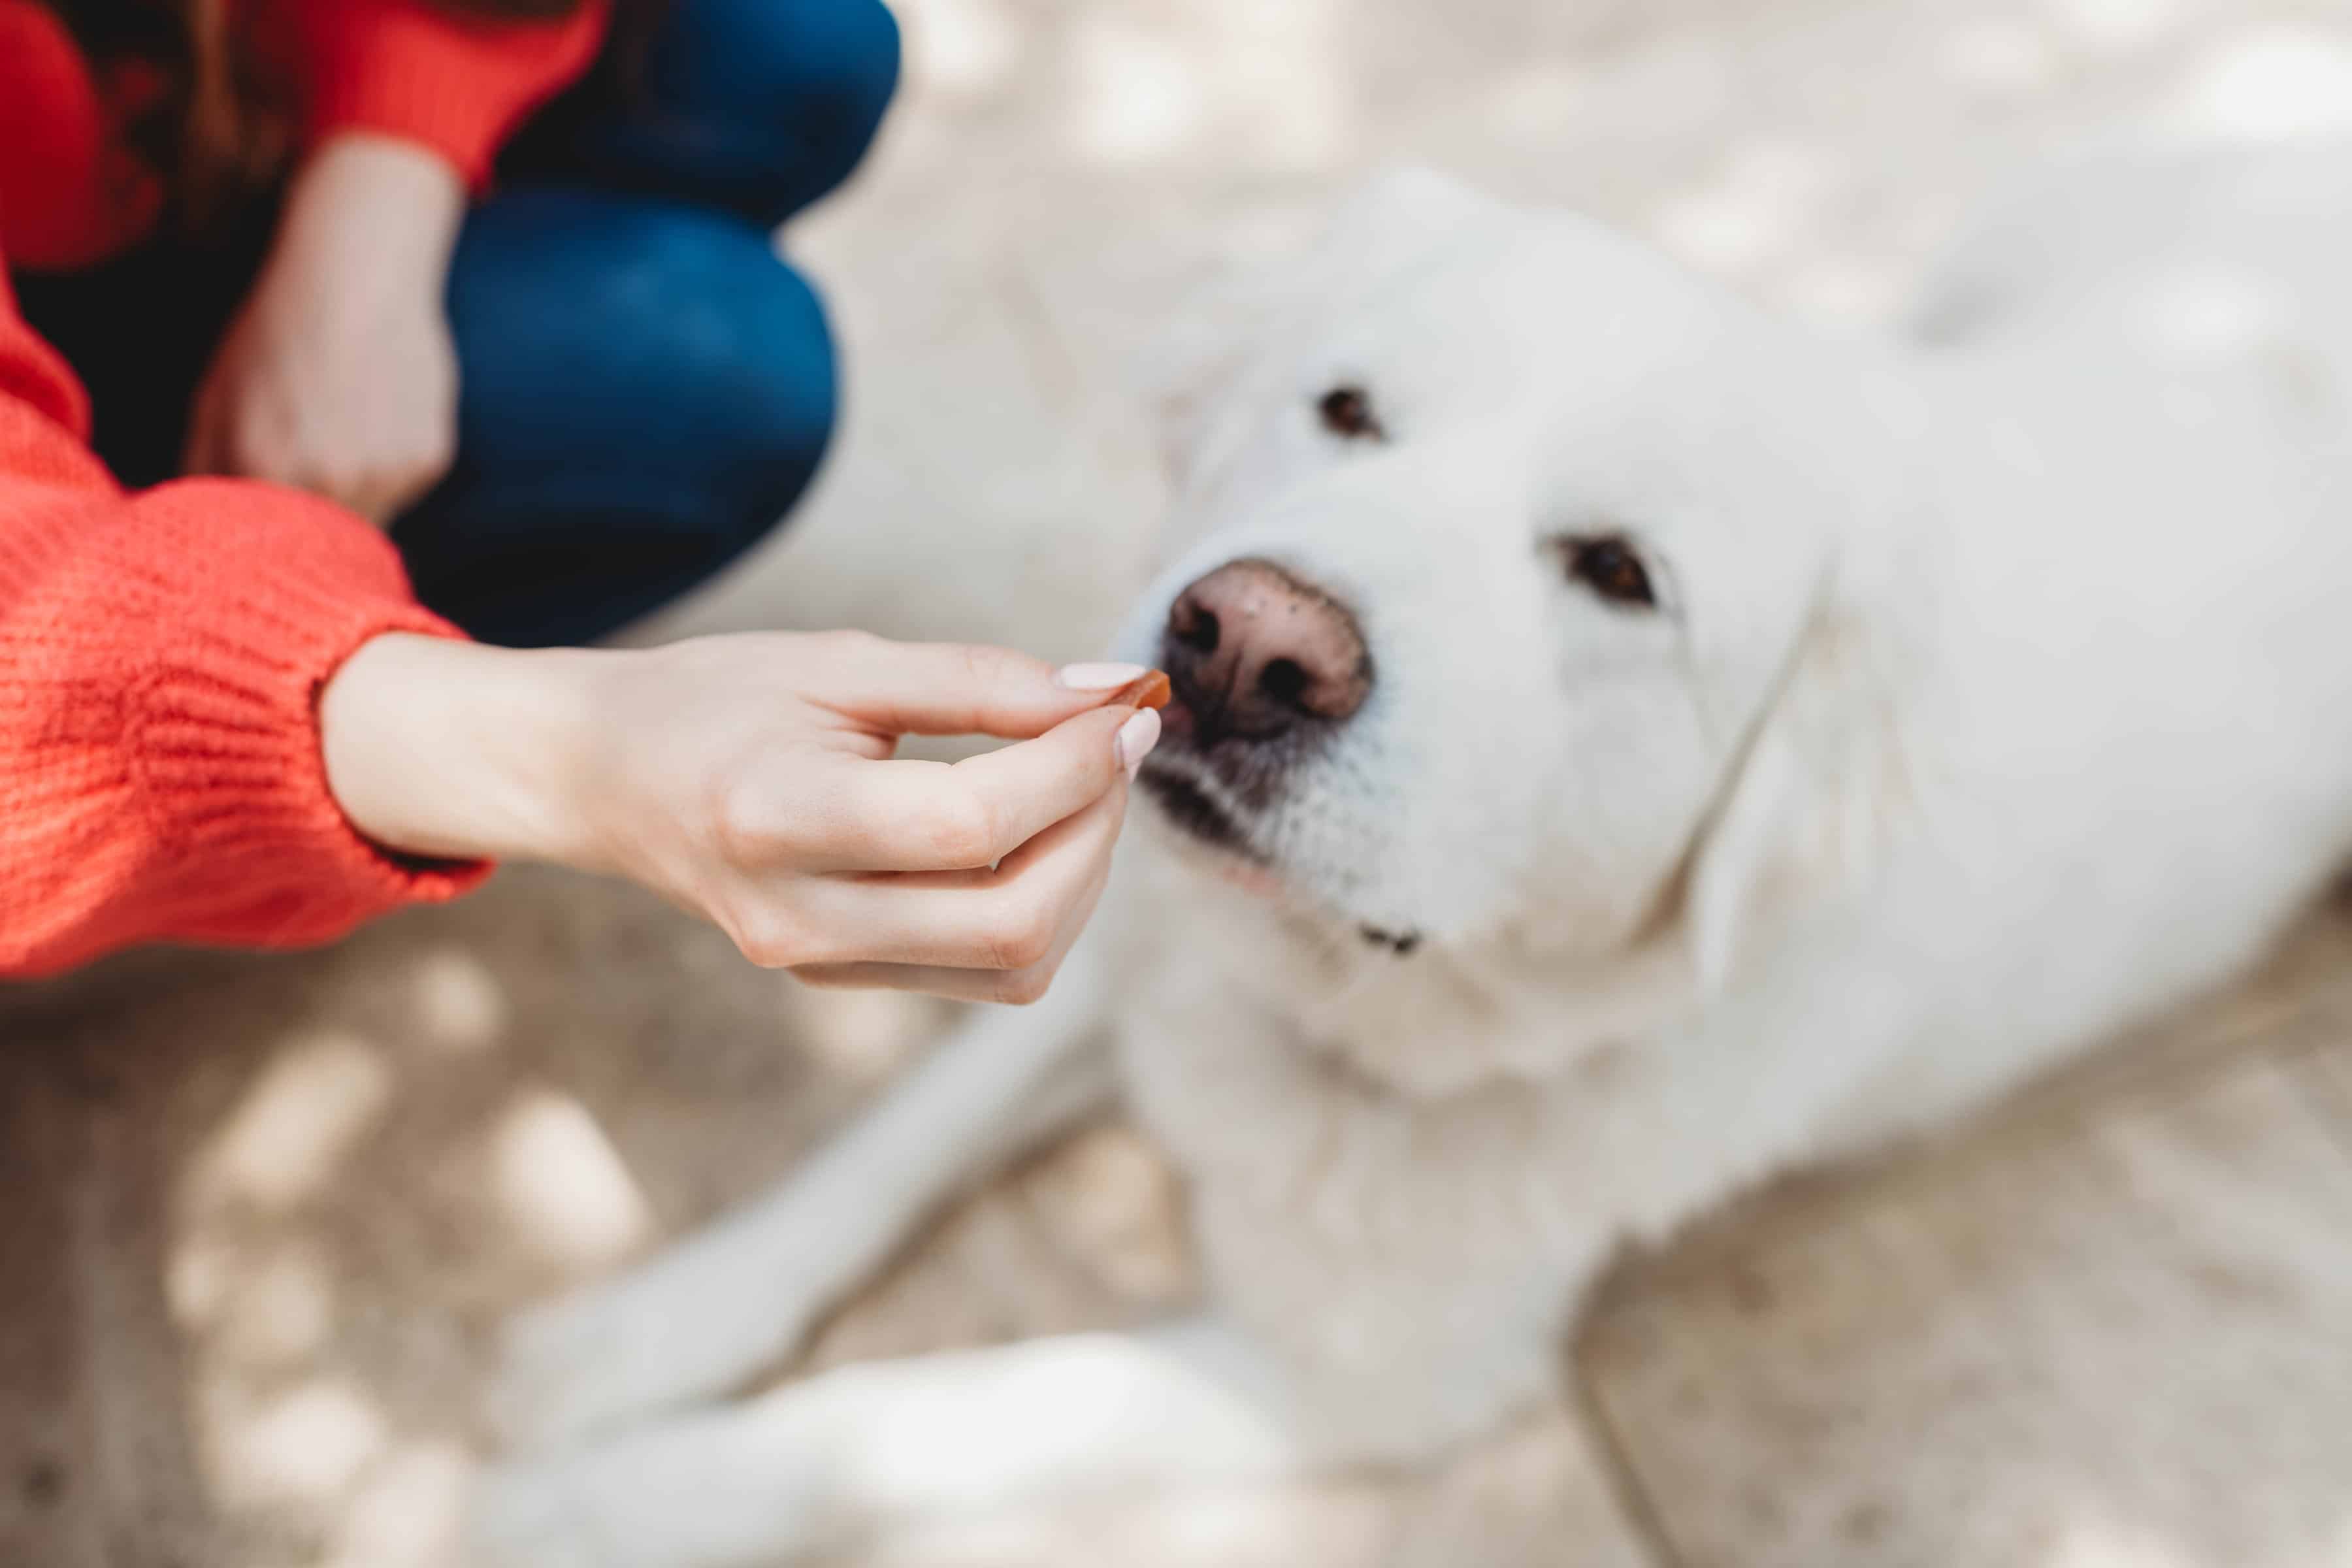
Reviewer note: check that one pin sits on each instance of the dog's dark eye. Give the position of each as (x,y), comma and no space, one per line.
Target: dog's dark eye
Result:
(1347,413)
(1611,569)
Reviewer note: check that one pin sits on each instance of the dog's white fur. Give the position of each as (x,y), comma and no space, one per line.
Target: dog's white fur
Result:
(1999,692)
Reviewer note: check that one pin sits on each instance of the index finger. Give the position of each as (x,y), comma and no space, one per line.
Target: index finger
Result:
(965,689)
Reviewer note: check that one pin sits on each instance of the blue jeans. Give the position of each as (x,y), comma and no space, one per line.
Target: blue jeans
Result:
(646,388)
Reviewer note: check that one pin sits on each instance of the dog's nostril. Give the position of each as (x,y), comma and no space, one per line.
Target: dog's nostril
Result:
(1285,681)
(1195,627)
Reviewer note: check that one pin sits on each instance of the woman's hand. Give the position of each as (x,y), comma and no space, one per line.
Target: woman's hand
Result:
(338,376)
(751,779)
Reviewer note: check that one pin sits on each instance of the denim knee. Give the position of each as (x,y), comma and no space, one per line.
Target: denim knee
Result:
(762,459)
(645,391)
(792,89)
(742,360)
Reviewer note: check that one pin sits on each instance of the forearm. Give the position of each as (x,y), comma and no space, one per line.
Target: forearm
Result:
(377,213)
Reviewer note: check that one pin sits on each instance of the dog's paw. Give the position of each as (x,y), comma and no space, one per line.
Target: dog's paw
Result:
(695,1325)
(567,1370)
(585,1364)
(529,1517)
(718,1491)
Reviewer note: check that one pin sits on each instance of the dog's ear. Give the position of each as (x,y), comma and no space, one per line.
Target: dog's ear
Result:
(1814,804)
(1193,377)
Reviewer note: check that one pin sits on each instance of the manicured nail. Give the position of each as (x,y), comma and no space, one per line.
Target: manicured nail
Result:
(1098,677)
(1136,737)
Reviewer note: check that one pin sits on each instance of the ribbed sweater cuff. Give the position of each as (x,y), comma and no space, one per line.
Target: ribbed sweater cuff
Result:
(461,88)
(226,731)
(176,790)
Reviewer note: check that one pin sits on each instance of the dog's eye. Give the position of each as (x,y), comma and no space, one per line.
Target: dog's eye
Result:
(1611,569)
(1347,413)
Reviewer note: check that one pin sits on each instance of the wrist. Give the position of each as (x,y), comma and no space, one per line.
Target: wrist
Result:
(456,751)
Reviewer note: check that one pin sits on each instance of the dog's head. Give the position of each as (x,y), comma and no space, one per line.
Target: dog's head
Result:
(1500,549)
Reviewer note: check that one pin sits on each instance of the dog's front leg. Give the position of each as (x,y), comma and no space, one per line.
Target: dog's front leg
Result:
(703,1317)
(881,1443)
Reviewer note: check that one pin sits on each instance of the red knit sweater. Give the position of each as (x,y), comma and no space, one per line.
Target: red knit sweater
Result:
(161,654)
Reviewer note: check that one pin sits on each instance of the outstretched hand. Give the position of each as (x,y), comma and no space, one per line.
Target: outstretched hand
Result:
(753,780)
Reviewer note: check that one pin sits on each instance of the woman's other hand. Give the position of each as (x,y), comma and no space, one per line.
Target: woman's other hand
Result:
(338,376)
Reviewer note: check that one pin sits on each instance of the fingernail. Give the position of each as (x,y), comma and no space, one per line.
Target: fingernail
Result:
(1136,737)
(1098,676)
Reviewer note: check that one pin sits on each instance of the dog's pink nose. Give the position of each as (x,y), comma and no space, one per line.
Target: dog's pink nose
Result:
(1254,653)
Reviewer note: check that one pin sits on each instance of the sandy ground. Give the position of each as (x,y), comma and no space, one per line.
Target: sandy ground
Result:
(261,1212)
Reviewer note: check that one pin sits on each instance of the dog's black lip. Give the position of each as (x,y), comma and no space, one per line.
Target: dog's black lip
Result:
(1401,943)
(1195,810)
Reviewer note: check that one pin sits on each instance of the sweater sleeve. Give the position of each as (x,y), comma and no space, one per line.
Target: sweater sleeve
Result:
(400,67)
(161,656)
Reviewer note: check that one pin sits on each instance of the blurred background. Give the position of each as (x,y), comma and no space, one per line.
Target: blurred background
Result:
(261,1212)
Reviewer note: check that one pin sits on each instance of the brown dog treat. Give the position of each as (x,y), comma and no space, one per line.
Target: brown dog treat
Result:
(1148,692)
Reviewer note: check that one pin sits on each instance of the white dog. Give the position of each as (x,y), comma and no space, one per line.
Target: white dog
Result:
(1626,745)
